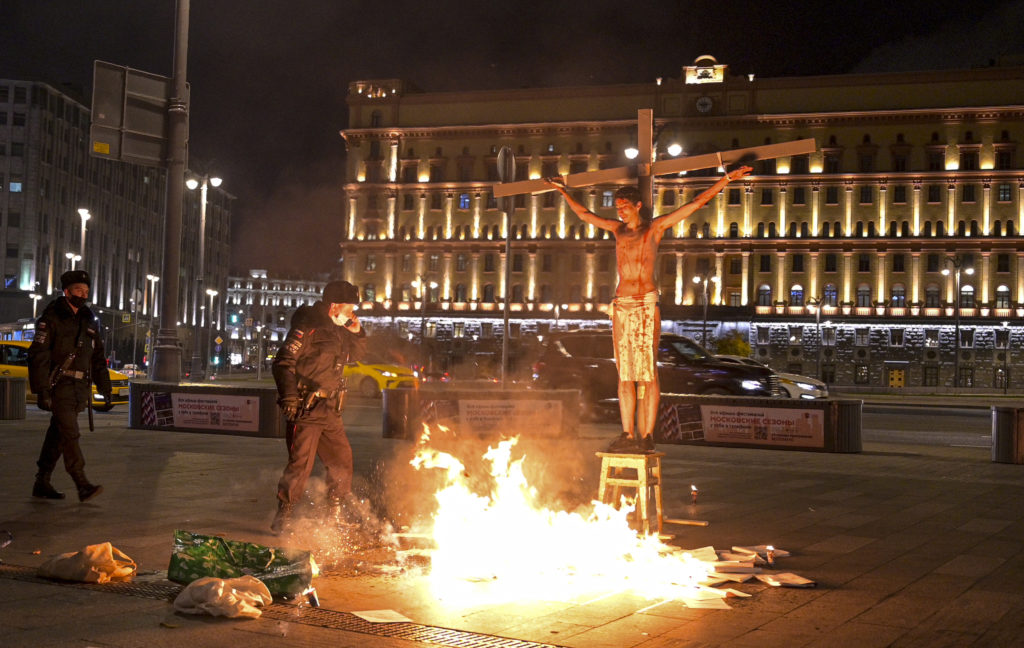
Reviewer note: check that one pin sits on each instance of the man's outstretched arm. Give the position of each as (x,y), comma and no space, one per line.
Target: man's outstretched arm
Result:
(582,212)
(672,218)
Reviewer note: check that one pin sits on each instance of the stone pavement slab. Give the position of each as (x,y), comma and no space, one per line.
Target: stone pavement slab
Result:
(910,545)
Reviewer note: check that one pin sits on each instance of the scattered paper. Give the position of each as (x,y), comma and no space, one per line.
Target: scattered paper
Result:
(704,554)
(735,578)
(733,567)
(761,549)
(786,579)
(736,593)
(707,604)
(735,555)
(382,616)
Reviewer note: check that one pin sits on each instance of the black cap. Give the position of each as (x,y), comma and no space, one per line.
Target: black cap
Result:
(72,277)
(341,292)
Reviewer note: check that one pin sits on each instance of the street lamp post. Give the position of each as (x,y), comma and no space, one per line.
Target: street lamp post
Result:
(816,303)
(202,184)
(1006,359)
(209,358)
(84,213)
(423,285)
(74,258)
(150,306)
(957,264)
(705,280)
(35,302)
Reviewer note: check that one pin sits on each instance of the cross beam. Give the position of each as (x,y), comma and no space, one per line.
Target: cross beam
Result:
(642,171)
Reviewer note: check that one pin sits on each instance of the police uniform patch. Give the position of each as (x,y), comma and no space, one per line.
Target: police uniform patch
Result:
(298,333)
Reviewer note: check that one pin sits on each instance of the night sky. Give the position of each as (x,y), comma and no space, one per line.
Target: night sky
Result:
(269,77)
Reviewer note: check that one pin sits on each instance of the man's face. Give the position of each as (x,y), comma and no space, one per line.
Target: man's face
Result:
(77,290)
(629,212)
(346,310)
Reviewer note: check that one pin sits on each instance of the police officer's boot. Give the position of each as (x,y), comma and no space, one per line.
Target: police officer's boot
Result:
(86,491)
(283,517)
(43,489)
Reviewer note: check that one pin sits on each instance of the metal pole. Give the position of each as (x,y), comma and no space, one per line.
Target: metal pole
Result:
(197,334)
(704,328)
(209,338)
(956,304)
(645,144)
(817,328)
(167,352)
(259,353)
(135,335)
(507,173)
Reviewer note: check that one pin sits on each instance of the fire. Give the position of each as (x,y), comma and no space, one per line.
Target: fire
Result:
(503,546)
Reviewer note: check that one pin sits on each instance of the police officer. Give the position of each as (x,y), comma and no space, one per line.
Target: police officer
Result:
(308,372)
(65,356)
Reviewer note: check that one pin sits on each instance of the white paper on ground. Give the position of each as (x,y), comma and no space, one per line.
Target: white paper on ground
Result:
(786,579)
(729,567)
(707,604)
(704,554)
(761,549)
(382,616)
(736,578)
(736,593)
(741,556)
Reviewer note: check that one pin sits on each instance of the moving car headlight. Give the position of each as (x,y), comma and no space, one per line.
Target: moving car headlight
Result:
(806,386)
(387,374)
(751,385)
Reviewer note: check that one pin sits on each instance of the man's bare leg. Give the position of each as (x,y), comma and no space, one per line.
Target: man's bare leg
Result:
(647,407)
(627,407)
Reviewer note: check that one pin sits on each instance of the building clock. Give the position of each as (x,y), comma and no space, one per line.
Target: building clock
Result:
(704,104)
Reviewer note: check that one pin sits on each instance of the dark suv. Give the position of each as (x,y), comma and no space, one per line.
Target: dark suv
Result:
(585,360)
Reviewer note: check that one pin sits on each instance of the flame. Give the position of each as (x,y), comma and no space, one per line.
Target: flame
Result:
(503,546)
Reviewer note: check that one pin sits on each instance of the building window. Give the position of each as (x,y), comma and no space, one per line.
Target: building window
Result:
(931,297)
(968,194)
(969,161)
(931,376)
(862,337)
(863,263)
(796,295)
(860,374)
(830,262)
(767,197)
(735,266)
(463,201)
(831,195)
(369,292)
(896,337)
(517,263)
(796,335)
(934,193)
(489,293)
(764,295)
(1003,192)
(1001,378)
(406,263)
(763,334)
(461,262)
(608,199)
(489,263)
(1002,338)
(1002,297)
(545,263)
(863,295)
(798,263)
(831,295)
(765,261)
(434,263)
(867,195)
(899,262)
(371,263)
(931,338)
(967,376)
(966,338)
(966,296)
(899,194)
(828,336)
(899,296)
(734,196)
(799,196)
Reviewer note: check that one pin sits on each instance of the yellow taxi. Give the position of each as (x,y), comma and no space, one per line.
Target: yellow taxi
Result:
(370,378)
(14,362)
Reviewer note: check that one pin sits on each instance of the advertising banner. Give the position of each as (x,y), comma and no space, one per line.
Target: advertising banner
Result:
(802,428)
(201,411)
(539,417)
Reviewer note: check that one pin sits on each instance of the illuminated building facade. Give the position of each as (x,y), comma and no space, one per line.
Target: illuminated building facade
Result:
(830,263)
(47,175)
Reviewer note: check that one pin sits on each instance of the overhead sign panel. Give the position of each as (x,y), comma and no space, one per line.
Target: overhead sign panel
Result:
(129,115)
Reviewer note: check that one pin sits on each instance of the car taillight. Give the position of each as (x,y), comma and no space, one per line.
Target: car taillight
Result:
(538,366)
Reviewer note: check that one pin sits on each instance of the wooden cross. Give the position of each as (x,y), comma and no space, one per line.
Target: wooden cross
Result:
(646,167)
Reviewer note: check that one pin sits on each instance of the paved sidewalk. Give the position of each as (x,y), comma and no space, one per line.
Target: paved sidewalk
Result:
(910,545)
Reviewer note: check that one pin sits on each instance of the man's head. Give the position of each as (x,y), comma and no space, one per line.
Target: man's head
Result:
(341,298)
(628,201)
(75,284)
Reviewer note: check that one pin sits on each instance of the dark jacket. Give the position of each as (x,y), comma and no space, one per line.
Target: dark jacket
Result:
(58,332)
(313,355)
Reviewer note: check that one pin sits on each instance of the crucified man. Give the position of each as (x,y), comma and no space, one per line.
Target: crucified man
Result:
(636,318)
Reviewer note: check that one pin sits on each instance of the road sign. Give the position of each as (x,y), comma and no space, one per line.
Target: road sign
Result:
(129,114)
(217,348)
(126,318)
(219,340)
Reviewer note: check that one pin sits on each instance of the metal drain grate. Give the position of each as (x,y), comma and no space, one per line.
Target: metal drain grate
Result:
(320,617)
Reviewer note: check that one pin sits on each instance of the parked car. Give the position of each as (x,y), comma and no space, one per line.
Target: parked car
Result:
(14,362)
(585,360)
(370,378)
(795,385)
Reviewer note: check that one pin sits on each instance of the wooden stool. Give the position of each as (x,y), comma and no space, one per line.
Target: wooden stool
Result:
(648,478)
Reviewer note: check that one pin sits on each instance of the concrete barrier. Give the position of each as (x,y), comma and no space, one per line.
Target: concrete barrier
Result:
(831,425)
(211,409)
(483,412)
(1007,435)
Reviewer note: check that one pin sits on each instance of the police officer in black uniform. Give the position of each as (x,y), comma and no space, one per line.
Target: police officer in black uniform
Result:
(308,371)
(66,355)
